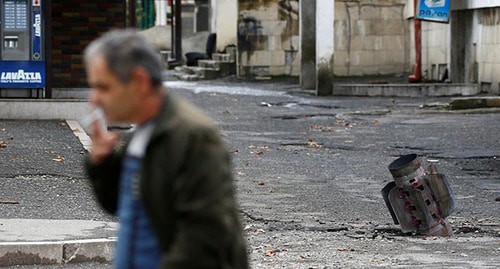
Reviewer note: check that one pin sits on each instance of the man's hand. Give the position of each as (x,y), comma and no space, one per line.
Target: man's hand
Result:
(103,143)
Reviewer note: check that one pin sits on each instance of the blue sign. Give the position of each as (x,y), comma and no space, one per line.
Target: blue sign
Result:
(36,51)
(434,10)
(22,74)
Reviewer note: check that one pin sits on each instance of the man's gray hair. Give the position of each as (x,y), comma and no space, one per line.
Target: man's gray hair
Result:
(124,50)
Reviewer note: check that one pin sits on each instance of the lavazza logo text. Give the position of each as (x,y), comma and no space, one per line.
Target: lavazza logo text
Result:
(38,25)
(21,77)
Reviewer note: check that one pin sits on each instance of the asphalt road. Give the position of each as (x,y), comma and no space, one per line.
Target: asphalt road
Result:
(308,171)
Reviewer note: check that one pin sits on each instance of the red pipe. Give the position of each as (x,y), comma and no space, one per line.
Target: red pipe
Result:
(417,75)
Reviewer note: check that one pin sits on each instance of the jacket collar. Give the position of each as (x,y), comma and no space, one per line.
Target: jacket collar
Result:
(166,119)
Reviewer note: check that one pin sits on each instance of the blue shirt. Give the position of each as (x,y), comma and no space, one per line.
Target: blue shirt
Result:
(137,245)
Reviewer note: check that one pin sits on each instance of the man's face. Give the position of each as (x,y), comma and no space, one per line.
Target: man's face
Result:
(117,99)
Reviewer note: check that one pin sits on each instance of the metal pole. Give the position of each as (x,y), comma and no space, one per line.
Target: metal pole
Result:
(178,30)
(417,75)
(47,11)
(132,18)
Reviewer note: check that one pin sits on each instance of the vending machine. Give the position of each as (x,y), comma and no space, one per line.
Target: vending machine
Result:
(22,63)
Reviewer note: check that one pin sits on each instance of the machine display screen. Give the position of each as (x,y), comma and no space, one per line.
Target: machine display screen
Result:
(16,14)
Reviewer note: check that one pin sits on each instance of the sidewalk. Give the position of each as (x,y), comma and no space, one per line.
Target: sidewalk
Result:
(42,241)
(41,177)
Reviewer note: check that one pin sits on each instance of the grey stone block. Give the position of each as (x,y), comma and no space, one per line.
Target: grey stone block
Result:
(12,254)
(101,250)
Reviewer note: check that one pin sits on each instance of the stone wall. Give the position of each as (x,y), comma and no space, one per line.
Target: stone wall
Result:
(74,24)
(489,58)
(268,37)
(478,44)
(435,50)
(371,38)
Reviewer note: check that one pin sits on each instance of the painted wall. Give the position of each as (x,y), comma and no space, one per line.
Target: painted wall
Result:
(371,38)
(435,50)
(162,9)
(268,37)
(473,4)
(376,38)
(469,48)
(489,50)
(226,23)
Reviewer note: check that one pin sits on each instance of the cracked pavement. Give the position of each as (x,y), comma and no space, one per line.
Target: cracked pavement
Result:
(308,171)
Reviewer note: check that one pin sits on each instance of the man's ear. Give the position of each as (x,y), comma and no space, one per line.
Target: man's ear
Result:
(141,79)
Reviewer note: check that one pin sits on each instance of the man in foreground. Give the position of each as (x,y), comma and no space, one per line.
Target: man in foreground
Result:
(171,184)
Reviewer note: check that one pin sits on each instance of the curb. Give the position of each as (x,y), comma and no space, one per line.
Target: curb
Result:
(406,90)
(80,133)
(475,102)
(43,109)
(57,252)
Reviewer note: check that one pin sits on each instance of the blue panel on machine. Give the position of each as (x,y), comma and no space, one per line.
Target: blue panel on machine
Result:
(22,74)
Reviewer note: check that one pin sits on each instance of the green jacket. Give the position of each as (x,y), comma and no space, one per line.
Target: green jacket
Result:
(187,190)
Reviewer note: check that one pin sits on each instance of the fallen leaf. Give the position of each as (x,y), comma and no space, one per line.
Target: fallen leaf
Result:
(58,158)
(2,144)
(313,144)
(376,122)
(14,158)
(342,123)
(261,183)
(271,191)
(258,231)
(259,153)
(271,252)
(319,128)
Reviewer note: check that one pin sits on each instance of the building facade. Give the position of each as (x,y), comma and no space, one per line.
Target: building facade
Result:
(373,37)
(467,50)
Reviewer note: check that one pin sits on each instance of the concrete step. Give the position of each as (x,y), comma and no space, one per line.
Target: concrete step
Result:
(187,77)
(225,68)
(475,102)
(210,73)
(208,64)
(190,70)
(224,57)
(406,90)
(193,73)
